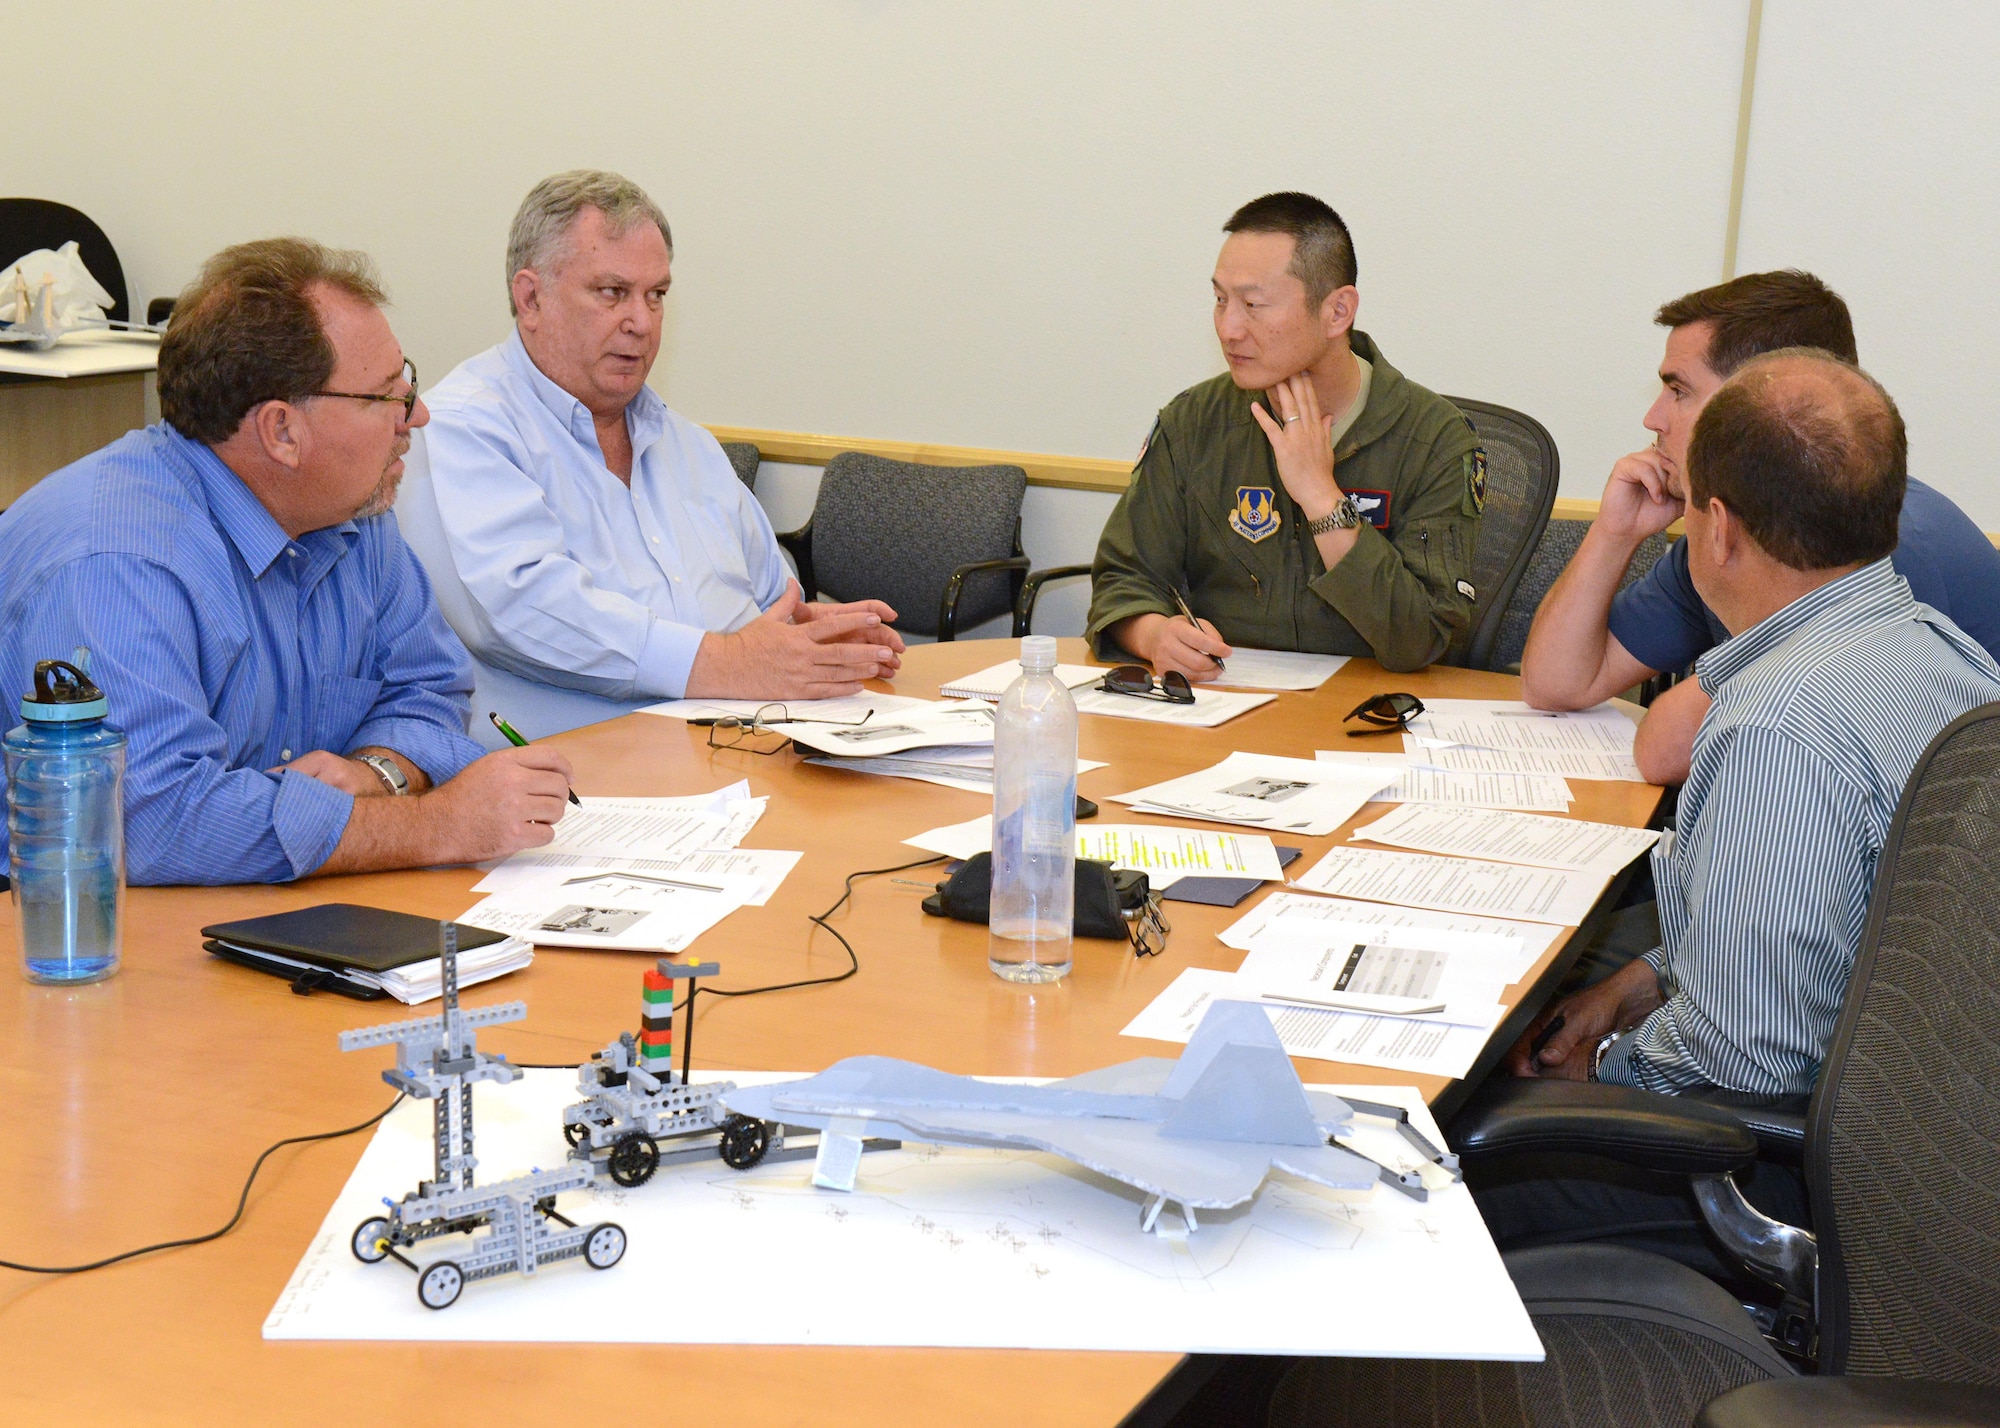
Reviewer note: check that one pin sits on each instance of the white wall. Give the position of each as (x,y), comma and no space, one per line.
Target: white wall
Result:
(977,224)
(1873,153)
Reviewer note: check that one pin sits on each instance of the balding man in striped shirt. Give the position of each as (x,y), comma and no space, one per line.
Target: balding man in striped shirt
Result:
(1831,684)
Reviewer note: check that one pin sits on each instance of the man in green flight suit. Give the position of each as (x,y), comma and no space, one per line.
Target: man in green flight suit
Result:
(1335,515)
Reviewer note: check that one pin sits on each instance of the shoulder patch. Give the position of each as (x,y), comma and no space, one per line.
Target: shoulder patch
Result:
(1146,445)
(1373,506)
(1475,479)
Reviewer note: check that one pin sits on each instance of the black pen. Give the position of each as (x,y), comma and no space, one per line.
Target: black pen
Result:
(520,743)
(1545,1036)
(1178,600)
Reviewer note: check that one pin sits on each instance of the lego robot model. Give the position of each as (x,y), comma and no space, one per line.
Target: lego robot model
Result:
(634,1100)
(436,1061)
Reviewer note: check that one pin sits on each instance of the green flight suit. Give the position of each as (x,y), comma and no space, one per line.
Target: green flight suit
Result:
(1206,511)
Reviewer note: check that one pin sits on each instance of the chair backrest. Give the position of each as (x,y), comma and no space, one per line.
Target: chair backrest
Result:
(30,223)
(1903,1138)
(1550,557)
(746,458)
(896,530)
(533,708)
(1522,470)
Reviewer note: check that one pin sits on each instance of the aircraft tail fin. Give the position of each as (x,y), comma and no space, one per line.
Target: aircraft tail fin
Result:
(1235,1082)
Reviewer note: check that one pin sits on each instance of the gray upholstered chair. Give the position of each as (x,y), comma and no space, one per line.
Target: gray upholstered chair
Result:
(745,458)
(941,544)
(1551,555)
(1895,1305)
(1522,469)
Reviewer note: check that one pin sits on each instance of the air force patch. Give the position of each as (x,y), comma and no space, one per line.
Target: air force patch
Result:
(1475,479)
(1373,506)
(1256,513)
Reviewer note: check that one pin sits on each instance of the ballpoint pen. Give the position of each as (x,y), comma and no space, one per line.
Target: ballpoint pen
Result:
(520,743)
(1182,602)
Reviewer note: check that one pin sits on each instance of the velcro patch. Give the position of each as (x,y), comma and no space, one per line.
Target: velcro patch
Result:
(1373,506)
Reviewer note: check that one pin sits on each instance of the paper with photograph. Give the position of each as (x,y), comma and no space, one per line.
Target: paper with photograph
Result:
(1266,791)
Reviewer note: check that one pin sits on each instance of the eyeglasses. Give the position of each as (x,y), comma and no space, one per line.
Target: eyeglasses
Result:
(1385,712)
(1137,682)
(732,731)
(408,401)
(1148,928)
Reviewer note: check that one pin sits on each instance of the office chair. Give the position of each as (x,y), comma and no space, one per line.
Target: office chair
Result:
(745,458)
(1896,1303)
(1551,556)
(1522,469)
(942,545)
(30,223)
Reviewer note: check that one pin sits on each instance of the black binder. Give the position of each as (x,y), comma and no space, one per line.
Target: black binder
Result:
(315,948)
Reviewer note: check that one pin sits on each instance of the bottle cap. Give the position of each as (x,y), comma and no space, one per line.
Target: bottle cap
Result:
(63,694)
(1038,652)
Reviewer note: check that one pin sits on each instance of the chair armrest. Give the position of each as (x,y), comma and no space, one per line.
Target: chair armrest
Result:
(1838,1401)
(1031,591)
(947,626)
(1778,1122)
(1653,1132)
(799,545)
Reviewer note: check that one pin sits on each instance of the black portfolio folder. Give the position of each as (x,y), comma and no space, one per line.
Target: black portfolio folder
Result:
(314,947)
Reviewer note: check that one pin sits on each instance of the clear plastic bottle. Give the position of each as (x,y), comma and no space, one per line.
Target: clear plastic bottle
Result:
(66,827)
(1033,904)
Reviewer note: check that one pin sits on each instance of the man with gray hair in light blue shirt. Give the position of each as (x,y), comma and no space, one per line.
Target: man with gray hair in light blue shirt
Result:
(605,541)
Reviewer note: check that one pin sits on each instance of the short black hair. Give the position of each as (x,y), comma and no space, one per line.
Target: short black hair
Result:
(1323,249)
(1763,312)
(1809,453)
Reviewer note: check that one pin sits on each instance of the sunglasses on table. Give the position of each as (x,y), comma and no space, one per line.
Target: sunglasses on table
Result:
(1137,682)
(733,731)
(1383,713)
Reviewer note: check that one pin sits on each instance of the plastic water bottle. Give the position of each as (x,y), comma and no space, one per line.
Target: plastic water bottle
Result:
(66,827)
(1033,905)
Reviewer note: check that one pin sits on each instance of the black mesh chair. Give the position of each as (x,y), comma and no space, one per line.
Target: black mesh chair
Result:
(30,223)
(941,544)
(1548,560)
(1895,1306)
(745,458)
(1522,469)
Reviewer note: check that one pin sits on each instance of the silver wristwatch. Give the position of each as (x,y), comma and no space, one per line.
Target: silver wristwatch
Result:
(387,770)
(1345,516)
(1604,1044)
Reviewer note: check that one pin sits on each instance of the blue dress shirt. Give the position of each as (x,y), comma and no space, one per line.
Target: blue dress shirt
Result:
(1950,564)
(1821,710)
(226,649)
(579,580)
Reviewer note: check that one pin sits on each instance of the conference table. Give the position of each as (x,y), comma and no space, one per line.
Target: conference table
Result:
(136,1106)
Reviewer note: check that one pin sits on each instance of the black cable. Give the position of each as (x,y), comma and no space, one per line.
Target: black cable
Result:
(853,961)
(241,1201)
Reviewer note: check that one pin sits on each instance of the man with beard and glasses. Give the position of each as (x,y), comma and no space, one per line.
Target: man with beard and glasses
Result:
(294,701)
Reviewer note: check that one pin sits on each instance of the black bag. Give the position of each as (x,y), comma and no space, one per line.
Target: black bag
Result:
(1104,898)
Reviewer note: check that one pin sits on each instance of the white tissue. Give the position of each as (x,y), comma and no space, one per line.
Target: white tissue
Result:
(79,299)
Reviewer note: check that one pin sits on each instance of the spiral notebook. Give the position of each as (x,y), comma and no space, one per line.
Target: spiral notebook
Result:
(992,683)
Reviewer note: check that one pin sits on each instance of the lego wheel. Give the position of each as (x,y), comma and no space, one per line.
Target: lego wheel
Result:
(744,1141)
(605,1246)
(371,1240)
(634,1159)
(438,1286)
(575,1132)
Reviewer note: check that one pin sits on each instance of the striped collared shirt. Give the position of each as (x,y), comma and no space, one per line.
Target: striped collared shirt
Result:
(1821,711)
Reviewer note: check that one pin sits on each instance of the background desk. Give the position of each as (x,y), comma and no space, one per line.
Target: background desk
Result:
(60,405)
(134,1108)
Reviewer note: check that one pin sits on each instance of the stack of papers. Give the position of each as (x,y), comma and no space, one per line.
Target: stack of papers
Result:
(1600,848)
(1210,708)
(1266,791)
(849,708)
(1506,736)
(1277,669)
(1421,782)
(1456,885)
(990,683)
(953,724)
(766,868)
(424,981)
(622,911)
(1246,934)
(1163,854)
(965,766)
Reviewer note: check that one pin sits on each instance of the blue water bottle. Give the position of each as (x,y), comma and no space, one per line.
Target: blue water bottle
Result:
(66,826)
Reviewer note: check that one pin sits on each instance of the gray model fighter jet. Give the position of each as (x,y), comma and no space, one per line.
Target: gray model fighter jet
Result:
(1201,1132)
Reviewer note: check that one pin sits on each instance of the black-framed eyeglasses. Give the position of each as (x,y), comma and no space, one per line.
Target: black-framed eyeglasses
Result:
(1148,928)
(1137,682)
(733,731)
(408,401)
(1385,712)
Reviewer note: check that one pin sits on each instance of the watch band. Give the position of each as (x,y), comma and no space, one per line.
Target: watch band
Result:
(1345,516)
(386,770)
(1604,1044)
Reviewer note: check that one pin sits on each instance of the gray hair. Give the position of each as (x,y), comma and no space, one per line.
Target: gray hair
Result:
(539,237)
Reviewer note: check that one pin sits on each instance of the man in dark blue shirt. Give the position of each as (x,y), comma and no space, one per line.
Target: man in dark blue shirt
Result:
(1590,640)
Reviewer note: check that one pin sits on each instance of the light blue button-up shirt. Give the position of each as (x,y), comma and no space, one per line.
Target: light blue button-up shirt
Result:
(226,649)
(579,580)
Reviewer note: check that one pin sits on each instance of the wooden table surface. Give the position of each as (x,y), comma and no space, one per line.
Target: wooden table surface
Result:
(135,1107)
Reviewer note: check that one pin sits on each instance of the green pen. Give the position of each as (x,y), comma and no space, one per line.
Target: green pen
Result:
(518,742)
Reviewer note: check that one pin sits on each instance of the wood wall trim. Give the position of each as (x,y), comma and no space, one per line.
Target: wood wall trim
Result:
(1076,473)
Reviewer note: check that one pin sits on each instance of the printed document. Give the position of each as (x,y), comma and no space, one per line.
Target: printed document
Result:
(536,867)
(952,724)
(1282,910)
(1455,885)
(1506,736)
(990,683)
(968,767)
(635,828)
(1527,838)
(848,708)
(1163,854)
(1422,1045)
(1277,669)
(1210,708)
(1310,959)
(619,911)
(1266,791)
(1418,782)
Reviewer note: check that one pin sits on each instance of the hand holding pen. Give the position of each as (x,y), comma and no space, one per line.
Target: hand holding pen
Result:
(508,731)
